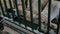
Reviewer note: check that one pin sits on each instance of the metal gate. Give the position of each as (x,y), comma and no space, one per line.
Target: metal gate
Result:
(16,18)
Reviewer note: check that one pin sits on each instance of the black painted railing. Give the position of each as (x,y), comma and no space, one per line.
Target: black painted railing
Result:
(9,12)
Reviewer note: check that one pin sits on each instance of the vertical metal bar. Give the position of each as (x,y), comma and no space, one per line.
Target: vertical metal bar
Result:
(24,12)
(10,2)
(49,10)
(6,8)
(58,25)
(31,13)
(39,13)
(18,13)
(1,8)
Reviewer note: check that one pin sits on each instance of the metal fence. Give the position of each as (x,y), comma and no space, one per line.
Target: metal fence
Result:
(10,13)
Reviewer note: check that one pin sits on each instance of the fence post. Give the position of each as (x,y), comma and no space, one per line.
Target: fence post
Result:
(39,14)
(13,13)
(24,12)
(6,8)
(18,13)
(31,13)
(49,10)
